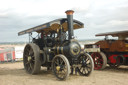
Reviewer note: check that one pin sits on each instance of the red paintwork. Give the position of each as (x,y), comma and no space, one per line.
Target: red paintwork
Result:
(125,55)
(1,56)
(113,60)
(4,55)
(98,61)
(13,54)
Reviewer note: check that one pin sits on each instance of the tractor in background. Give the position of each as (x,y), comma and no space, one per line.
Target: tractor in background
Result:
(113,52)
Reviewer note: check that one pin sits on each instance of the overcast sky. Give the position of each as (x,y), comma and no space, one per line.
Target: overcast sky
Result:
(97,15)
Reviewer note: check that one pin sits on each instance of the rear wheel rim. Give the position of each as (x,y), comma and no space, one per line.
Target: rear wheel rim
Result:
(29,59)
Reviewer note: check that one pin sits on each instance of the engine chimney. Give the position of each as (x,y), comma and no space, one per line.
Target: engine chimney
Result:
(70,23)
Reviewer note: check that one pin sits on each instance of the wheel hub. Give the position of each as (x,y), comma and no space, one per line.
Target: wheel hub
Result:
(58,68)
(29,58)
(84,63)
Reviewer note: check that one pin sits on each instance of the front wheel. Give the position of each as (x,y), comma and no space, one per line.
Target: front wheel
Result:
(61,67)
(100,60)
(86,64)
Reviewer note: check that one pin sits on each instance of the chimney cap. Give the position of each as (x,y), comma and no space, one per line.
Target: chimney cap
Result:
(69,12)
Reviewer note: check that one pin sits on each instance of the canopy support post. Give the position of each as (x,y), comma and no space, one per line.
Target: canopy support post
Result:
(29,35)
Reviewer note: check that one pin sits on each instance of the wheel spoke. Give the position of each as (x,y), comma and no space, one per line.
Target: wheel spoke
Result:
(87,59)
(27,50)
(30,65)
(61,62)
(25,55)
(87,70)
(27,63)
(80,67)
(83,70)
(33,60)
(56,62)
(29,68)
(64,70)
(88,67)
(100,59)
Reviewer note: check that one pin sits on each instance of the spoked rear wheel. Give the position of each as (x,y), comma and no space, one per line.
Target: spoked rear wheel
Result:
(31,59)
(86,64)
(61,67)
(99,59)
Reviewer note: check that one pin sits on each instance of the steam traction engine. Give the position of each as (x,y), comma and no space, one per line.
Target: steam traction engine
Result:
(112,52)
(56,48)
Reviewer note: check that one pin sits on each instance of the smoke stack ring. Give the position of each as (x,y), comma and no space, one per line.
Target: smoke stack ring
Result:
(69,12)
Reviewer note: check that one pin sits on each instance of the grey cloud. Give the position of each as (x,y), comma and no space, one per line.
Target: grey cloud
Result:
(98,21)
(14,23)
(95,20)
(103,16)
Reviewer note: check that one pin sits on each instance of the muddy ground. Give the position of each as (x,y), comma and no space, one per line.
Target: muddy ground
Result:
(14,74)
